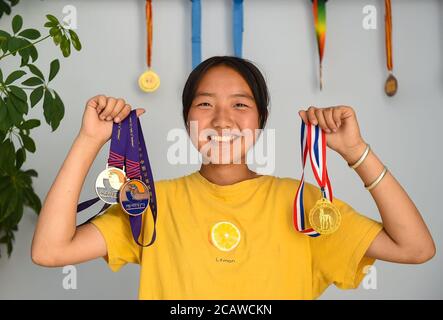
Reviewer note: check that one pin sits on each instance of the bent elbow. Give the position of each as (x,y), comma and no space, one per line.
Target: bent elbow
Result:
(424,254)
(42,258)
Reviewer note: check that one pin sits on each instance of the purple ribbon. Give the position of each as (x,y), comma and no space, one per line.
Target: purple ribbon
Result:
(137,153)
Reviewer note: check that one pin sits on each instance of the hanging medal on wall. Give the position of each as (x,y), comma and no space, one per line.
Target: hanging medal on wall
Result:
(391,84)
(237,30)
(149,81)
(319,11)
(324,217)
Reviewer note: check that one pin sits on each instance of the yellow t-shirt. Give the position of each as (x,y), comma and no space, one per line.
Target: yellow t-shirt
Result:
(272,260)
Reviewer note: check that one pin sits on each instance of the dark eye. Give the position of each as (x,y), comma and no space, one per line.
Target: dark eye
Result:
(241,105)
(204,104)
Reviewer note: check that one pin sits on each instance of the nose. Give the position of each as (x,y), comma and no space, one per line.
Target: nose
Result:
(222,118)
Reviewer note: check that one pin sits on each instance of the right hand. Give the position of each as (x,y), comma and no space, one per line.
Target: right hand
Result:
(100,113)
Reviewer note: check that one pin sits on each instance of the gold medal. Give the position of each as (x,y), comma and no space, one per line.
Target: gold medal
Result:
(134,197)
(391,85)
(324,217)
(149,81)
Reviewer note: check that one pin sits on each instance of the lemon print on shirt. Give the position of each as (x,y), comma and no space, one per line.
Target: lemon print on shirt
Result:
(225,236)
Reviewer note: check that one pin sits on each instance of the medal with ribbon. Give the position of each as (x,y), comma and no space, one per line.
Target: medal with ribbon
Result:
(139,191)
(128,178)
(324,217)
(391,83)
(237,30)
(149,81)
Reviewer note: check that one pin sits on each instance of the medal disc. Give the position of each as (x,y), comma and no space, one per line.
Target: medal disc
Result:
(108,184)
(149,81)
(134,197)
(324,217)
(391,85)
(225,236)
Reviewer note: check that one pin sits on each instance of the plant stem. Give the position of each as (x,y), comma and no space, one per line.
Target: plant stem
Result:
(31,44)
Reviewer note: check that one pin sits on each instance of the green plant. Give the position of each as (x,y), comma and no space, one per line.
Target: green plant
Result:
(16,190)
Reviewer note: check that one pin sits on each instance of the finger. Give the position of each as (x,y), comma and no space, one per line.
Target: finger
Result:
(321,120)
(110,104)
(140,111)
(123,113)
(329,119)
(118,107)
(336,115)
(101,103)
(311,115)
(303,116)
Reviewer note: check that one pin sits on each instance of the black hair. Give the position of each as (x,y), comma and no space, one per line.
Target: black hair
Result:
(245,68)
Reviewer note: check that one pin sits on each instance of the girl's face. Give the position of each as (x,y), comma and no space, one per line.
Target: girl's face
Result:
(223,118)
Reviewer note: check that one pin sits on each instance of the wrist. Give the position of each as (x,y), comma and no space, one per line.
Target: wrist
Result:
(90,141)
(353,154)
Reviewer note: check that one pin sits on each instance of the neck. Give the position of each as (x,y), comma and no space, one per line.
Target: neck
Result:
(226,174)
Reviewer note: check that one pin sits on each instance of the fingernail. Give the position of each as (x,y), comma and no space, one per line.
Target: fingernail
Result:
(108,118)
(102,117)
(117,119)
(335,130)
(328,131)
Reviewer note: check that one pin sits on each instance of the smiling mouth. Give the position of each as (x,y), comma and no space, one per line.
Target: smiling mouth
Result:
(223,139)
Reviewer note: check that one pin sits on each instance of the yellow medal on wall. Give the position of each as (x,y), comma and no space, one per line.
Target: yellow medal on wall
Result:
(149,81)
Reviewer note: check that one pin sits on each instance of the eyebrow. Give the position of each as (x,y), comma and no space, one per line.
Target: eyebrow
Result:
(239,95)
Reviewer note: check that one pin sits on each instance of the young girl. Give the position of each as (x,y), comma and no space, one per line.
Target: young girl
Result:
(270,259)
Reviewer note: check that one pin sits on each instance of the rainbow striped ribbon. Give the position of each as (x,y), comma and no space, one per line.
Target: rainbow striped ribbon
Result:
(312,142)
(319,10)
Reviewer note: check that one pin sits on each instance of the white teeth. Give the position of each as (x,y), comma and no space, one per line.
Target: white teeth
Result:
(223,138)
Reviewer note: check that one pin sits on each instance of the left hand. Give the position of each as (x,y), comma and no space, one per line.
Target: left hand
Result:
(341,128)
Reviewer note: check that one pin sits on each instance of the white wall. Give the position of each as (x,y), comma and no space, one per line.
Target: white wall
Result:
(403,131)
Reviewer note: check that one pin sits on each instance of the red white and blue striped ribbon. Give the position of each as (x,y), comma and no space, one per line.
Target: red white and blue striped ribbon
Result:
(312,142)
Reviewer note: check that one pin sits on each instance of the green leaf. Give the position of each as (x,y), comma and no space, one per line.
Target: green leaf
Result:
(18,93)
(54,31)
(36,71)
(17,23)
(14,76)
(65,46)
(31,34)
(14,115)
(33,81)
(52,18)
(20,106)
(55,67)
(33,201)
(36,95)
(33,53)
(50,24)
(30,124)
(75,40)
(20,157)
(59,111)
(47,106)
(14,44)
(28,143)
(1,76)
(57,39)
(7,156)
(32,173)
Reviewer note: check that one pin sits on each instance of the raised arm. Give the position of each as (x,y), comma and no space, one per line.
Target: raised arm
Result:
(405,237)
(57,241)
